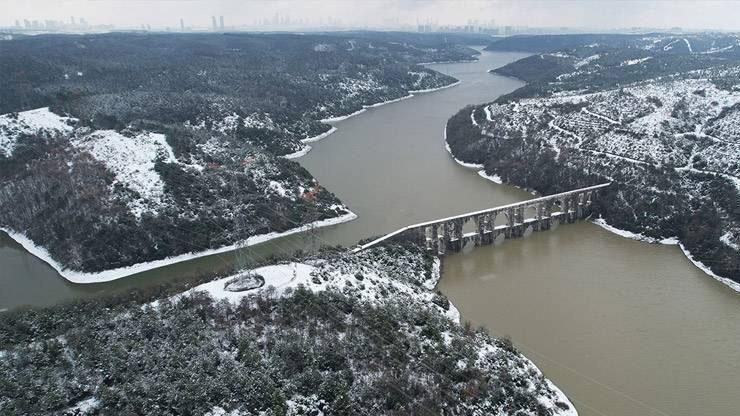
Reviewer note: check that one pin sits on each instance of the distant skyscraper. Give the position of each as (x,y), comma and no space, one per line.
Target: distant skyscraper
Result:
(221,22)
(182,25)
(72,20)
(213,22)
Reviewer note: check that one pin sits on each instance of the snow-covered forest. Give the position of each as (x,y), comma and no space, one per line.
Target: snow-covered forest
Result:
(656,115)
(334,334)
(122,149)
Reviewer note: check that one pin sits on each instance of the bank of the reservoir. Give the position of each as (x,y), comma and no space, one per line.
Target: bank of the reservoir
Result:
(617,324)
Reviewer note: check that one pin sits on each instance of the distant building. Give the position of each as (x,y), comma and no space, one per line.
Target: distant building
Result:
(182,25)
(213,22)
(221,22)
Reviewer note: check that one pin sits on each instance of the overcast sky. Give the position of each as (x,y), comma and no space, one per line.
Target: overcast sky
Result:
(596,14)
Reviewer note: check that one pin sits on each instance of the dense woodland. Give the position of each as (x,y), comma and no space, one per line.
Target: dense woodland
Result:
(655,115)
(110,80)
(101,190)
(304,351)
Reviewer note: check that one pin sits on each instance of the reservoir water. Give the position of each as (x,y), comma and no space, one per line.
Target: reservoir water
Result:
(622,327)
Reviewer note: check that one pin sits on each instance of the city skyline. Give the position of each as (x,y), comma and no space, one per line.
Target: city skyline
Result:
(158,14)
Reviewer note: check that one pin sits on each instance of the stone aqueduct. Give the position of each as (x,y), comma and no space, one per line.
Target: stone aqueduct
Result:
(521,219)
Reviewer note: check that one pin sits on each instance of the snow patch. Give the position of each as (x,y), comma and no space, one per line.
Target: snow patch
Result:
(31,122)
(84,407)
(435,89)
(586,61)
(320,136)
(460,162)
(668,241)
(299,153)
(132,159)
(278,187)
(631,62)
(493,178)
(114,274)
(726,238)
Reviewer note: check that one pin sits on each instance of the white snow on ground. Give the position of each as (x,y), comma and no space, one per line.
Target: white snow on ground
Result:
(320,136)
(635,61)
(114,274)
(299,153)
(634,236)
(131,159)
(670,45)
(363,276)
(434,89)
(703,267)
(668,241)
(229,123)
(688,45)
(220,411)
(278,187)
(559,55)
(718,50)
(726,238)
(377,277)
(493,178)
(586,61)
(460,162)
(333,119)
(405,97)
(37,121)
(487,110)
(84,407)
(280,277)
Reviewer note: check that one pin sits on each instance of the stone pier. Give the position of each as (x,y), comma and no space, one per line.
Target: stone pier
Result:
(494,225)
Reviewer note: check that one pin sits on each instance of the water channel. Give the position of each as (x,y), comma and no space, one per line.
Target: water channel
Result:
(623,327)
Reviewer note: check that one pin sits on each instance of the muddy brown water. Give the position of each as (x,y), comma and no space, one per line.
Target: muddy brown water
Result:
(622,327)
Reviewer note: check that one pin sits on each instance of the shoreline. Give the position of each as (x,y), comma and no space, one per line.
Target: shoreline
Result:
(669,242)
(459,162)
(334,119)
(462,61)
(455,315)
(296,155)
(319,136)
(603,224)
(121,272)
(481,169)
(282,276)
(364,108)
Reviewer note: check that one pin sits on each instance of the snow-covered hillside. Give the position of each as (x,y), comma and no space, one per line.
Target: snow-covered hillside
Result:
(687,124)
(36,122)
(339,333)
(386,277)
(131,158)
(663,130)
(199,197)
